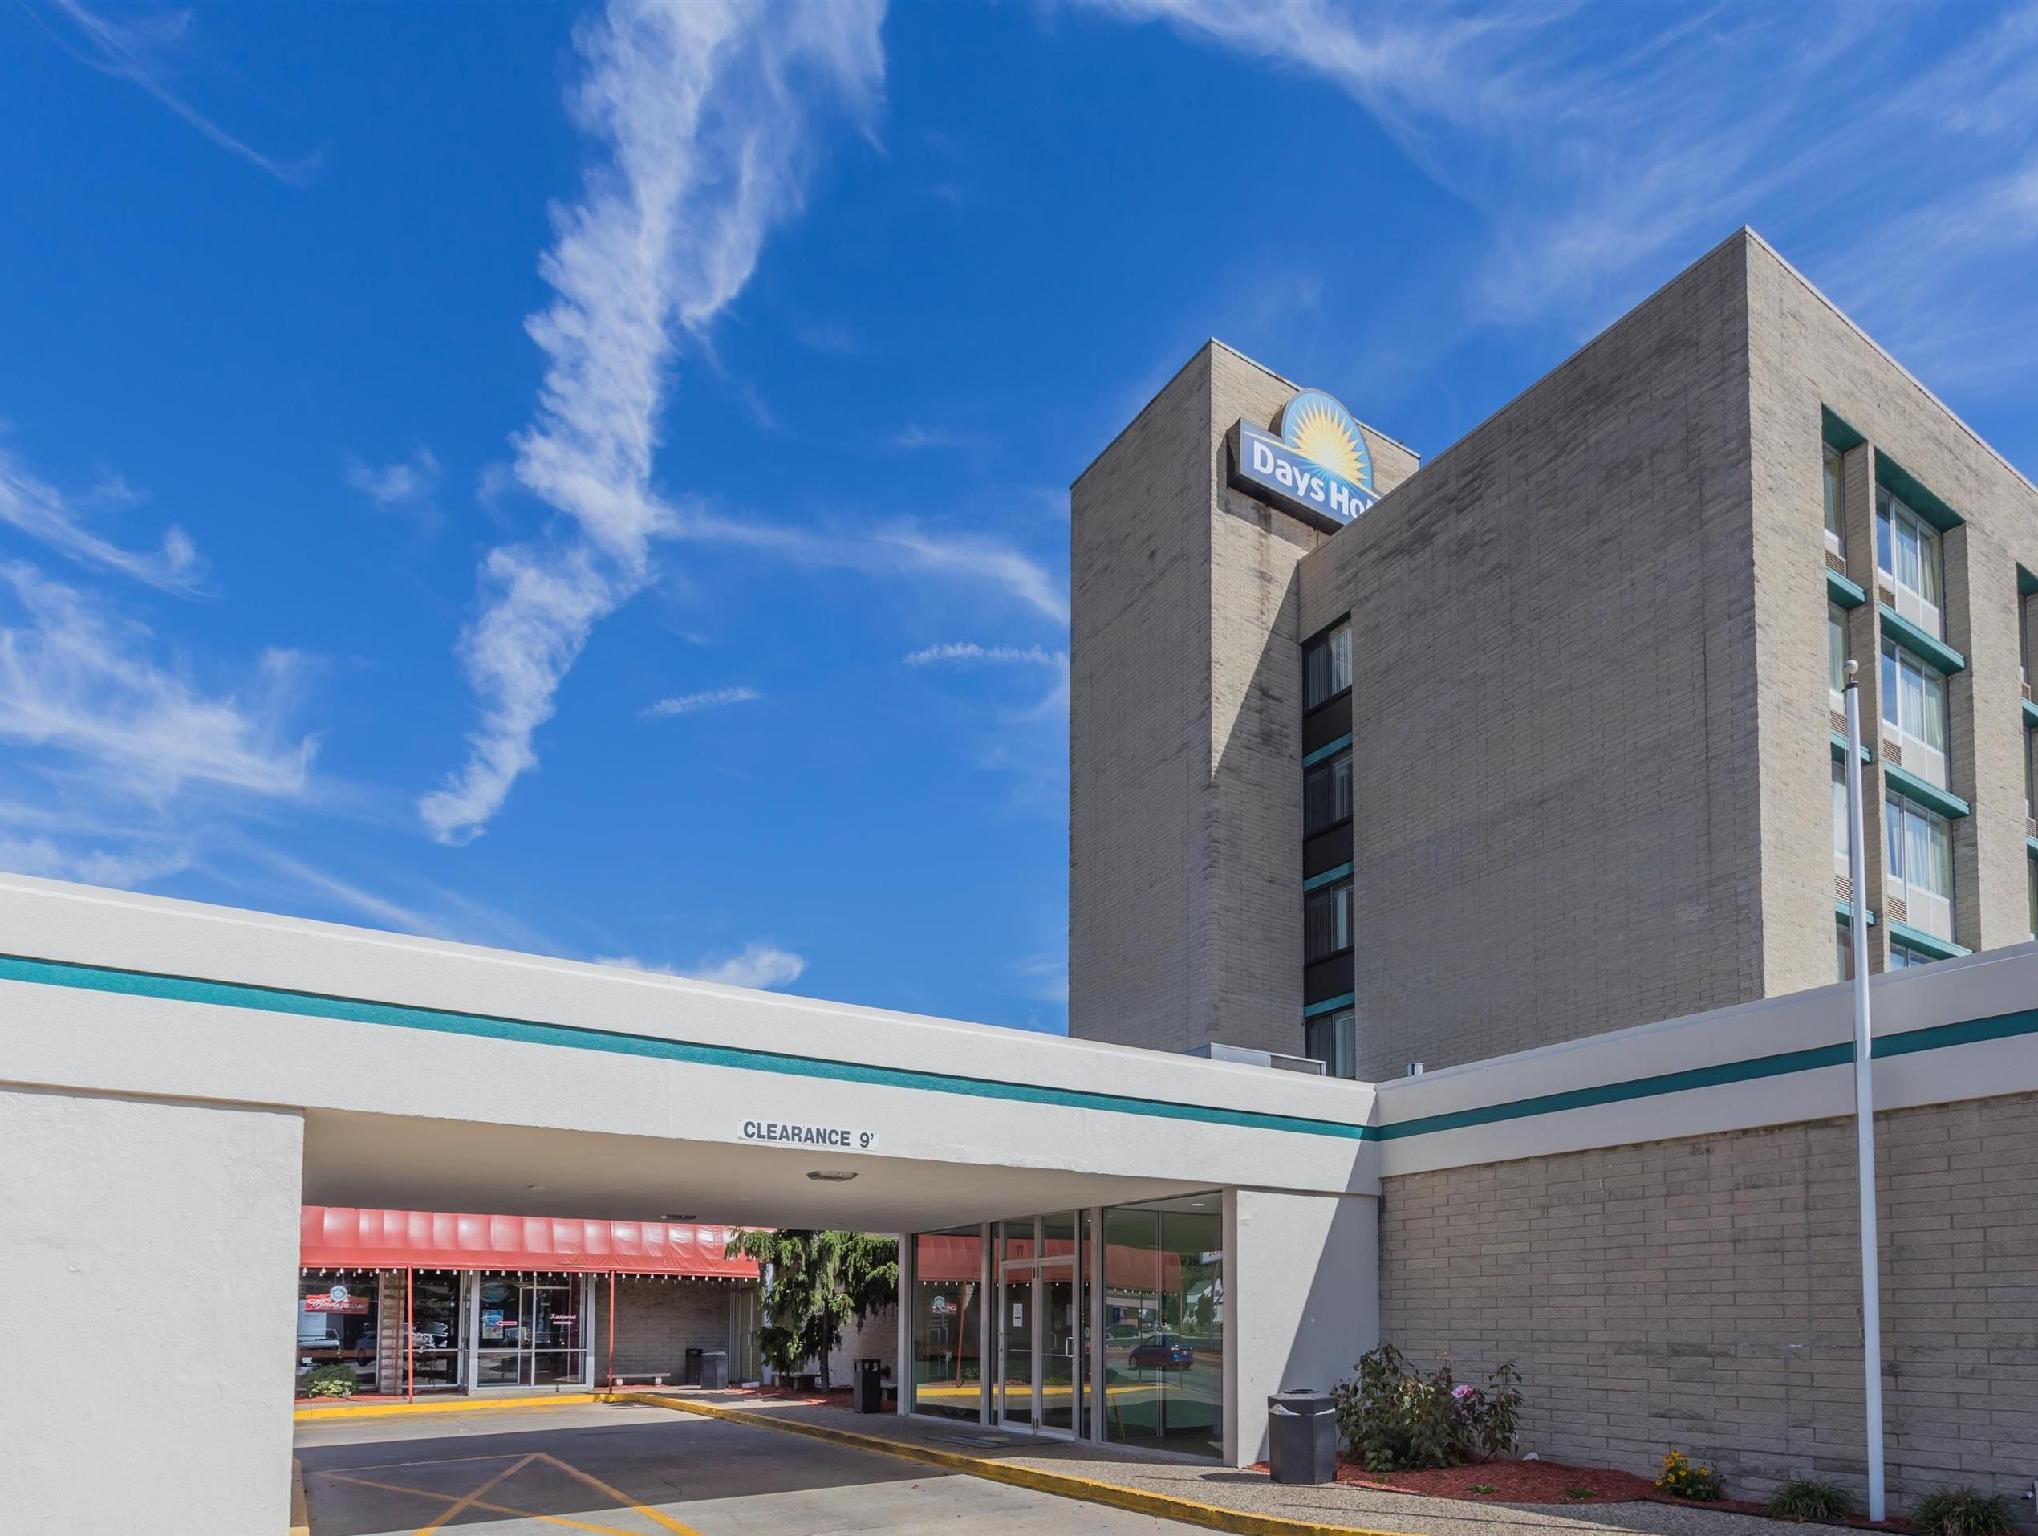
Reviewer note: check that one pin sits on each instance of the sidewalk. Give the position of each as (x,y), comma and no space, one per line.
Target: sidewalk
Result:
(1216,1498)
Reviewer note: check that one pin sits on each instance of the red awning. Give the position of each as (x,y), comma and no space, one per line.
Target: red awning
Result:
(341,1237)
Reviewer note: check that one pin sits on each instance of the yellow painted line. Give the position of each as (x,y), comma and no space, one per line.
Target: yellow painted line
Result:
(468,1501)
(395,1410)
(1143,1501)
(300,1509)
(482,1505)
(620,1497)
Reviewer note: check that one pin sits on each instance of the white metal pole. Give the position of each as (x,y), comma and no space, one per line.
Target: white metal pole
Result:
(1864,1103)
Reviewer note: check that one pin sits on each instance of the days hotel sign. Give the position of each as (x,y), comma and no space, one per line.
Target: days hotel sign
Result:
(1315,465)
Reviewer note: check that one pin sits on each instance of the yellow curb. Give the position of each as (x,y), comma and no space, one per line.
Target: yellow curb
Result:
(300,1511)
(1142,1501)
(371,1410)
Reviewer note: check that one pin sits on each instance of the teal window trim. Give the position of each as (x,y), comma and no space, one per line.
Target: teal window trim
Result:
(1836,432)
(1329,1005)
(1840,748)
(1928,648)
(1913,938)
(2030,713)
(1328,749)
(1845,912)
(1931,796)
(2027,583)
(2031,846)
(1911,491)
(1328,877)
(1842,591)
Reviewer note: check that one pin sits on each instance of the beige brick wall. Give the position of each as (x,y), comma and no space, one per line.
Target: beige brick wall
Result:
(658,1320)
(1704,1294)
(1803,354)
(1555,770)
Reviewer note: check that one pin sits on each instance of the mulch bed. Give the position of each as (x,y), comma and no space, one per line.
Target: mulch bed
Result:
(1542,1482)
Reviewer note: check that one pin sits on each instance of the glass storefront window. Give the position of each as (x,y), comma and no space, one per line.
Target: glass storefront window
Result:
(336,1324)
(435,1332)
(1164,1325)
(947,1303)
(528,1331)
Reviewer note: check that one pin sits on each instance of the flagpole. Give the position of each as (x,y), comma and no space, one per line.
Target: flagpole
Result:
(1864,1103)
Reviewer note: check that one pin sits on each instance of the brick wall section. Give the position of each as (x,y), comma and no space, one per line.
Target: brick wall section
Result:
(1803,353)
(1704,1294)
(657,1321)
(1185,815)
(1554,766)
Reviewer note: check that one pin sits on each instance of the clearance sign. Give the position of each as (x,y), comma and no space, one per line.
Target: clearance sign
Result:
(1314,464)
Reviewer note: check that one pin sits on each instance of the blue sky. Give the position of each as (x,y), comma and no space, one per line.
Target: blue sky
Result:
(594,479)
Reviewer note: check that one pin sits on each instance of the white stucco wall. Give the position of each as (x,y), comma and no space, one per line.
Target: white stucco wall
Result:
(1301,1301)
(149,1254)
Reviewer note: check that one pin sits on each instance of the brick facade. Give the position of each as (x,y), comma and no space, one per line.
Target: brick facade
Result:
(658,1320)
(1705,1294)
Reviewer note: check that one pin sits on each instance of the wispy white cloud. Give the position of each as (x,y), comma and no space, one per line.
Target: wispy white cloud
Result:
(125,869)
(43,512)
(692,703)
(706,113)
(407,485)
(835,338)
(143,50)
(84,684)
(756,965)
(914,438)
(1602,143)
(970,651)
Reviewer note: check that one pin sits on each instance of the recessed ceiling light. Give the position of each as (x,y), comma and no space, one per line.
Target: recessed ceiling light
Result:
(534,1187)
(679,1216)
(831,1175)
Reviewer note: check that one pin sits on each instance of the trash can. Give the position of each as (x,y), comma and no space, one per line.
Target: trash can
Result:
(1302,1436)
(692,1378)
(870,1386)
(714,1369)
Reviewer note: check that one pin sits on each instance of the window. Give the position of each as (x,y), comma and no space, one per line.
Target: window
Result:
(1920,873)
(1843,943)
(1327,793)
(1331,1038)
(1907,552)
(1902,957)
(1836,651)
(1327,666)
(1326,922)
(1914,712)
(1164,1325)
(947,1306)
(2031,886)
(1836,503)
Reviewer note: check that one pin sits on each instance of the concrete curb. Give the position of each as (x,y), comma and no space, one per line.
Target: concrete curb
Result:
(443,1405)
(300,1510)
(1141,1501)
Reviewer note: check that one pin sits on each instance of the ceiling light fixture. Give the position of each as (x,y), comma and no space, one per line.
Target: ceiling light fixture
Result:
(680,1216)
(831,1175)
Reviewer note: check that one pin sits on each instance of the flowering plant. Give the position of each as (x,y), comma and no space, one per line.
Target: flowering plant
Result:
(1682,1480)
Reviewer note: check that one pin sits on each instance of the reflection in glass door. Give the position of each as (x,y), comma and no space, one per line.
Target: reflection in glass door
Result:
(1058,1348)
(528,1330)
(1015,1345)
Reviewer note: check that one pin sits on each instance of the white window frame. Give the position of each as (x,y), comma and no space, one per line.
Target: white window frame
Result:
(1903,707)
(1897,530)
(1842,821)
(1836,624)
(1925,909)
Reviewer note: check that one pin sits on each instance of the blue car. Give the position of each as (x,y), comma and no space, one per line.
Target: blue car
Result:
(1162,1352)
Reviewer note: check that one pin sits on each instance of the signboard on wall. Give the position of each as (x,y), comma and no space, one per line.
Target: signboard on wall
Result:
(337,1300)
(1314,464)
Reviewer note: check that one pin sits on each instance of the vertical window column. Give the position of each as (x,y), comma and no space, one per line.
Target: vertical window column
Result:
(1328,949)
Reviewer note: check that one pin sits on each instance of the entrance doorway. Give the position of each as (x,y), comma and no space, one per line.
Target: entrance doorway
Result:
(528,1330)
(1040,1357)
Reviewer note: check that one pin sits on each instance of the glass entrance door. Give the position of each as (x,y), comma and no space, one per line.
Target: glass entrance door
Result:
(528,1330)
(1017,1342)
(1060,1362)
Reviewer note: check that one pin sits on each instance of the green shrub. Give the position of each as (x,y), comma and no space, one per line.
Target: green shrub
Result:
(1962,1512)
(1806,1498)
(1397,1419)
(331,1381)
(1682,1480)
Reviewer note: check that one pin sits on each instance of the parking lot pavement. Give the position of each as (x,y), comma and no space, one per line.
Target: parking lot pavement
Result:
(632,1471)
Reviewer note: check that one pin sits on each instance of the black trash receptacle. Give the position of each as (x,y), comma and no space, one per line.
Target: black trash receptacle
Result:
(692,1378)
(714,1369)
(870,1386)
(1302,1436)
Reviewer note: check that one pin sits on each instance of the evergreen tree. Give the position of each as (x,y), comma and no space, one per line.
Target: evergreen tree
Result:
(815,1284)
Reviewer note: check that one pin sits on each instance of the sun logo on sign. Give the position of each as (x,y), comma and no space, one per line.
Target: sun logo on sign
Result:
(1323,432)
